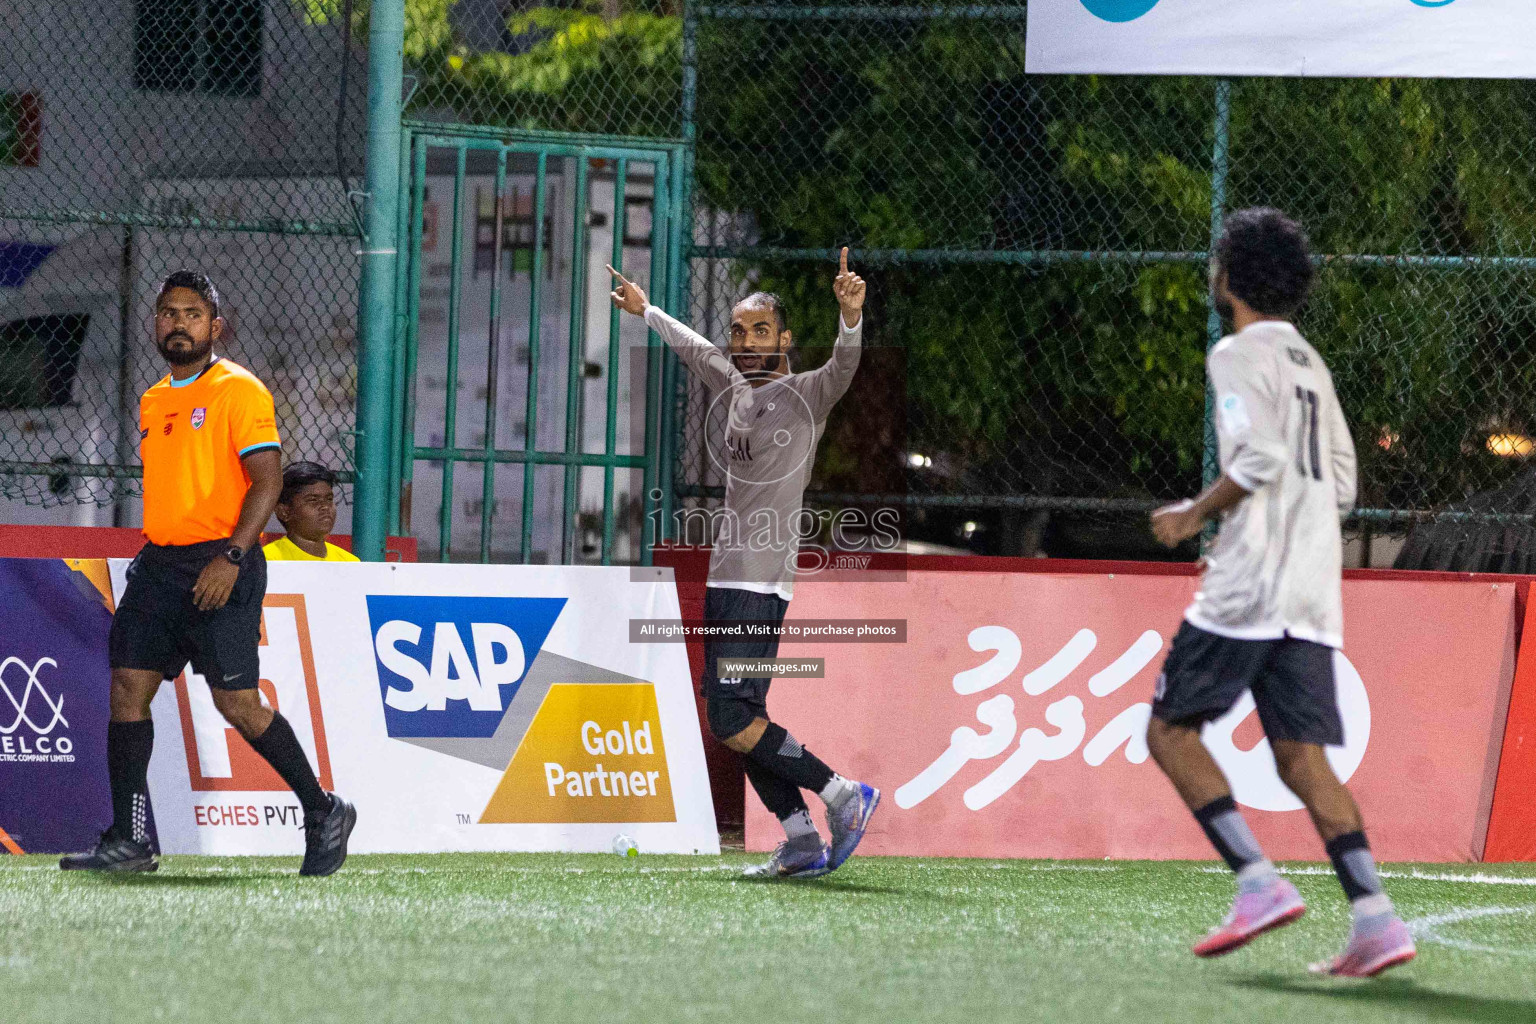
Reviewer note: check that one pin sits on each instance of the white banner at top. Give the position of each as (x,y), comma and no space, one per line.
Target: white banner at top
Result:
(1310,38)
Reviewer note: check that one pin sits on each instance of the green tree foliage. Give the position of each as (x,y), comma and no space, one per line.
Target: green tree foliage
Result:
(1069,376)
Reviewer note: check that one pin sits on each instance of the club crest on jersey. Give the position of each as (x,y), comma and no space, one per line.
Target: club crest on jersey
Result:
(198,416)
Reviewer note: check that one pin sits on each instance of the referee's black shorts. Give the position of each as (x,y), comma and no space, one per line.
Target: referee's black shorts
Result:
(158,628)
(732,702)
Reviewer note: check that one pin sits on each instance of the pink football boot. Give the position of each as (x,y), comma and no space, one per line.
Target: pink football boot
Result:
(1253,914)
(1368,955)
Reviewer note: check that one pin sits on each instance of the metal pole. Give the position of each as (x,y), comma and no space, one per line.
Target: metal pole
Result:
(576,355)
(492,366)
(535,314)
(399,346)
(127,404)
(1211,468)
(451,377)
(611,406)
(682,284)
(376,313)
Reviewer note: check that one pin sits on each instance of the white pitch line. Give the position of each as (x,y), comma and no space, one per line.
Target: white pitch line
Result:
(1412,876)
(1425,929)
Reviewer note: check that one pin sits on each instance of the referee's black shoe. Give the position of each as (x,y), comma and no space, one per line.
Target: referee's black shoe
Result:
(325,838)
(112,854)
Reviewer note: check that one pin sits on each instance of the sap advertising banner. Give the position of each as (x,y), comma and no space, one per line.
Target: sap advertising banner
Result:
(1013,721)
(460,707)
(1314,38)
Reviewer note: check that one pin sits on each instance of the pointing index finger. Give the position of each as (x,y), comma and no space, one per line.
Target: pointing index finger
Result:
(844,267)
(616,274)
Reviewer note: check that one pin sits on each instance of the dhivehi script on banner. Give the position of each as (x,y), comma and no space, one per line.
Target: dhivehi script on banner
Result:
(1313,38)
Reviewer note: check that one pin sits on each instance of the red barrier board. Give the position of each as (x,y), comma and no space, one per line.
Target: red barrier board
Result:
(124,542)
(1512,826)
(1012,721)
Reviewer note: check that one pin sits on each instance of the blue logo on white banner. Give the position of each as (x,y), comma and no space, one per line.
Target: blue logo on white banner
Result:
(1119,10)
(1130,10)
(450,666)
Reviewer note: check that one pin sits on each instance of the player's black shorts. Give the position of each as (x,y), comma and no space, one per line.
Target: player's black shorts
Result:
(157,627)
(733,702)
(1292,683)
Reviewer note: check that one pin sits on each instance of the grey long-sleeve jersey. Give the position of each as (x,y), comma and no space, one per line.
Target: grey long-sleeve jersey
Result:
(1275,568)
(767,450)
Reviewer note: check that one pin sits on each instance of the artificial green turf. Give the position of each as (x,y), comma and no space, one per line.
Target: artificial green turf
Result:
(551,938)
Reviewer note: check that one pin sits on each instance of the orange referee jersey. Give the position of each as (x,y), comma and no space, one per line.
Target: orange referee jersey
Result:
(192,438)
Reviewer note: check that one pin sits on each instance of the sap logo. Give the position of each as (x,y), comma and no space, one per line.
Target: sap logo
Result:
(450,666)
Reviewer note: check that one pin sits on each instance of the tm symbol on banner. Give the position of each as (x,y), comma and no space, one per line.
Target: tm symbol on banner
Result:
(463,819)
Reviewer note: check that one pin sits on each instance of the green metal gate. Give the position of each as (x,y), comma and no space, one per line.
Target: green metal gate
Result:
(540,237)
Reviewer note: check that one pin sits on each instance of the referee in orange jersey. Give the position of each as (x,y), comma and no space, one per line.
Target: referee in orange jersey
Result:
(212,474)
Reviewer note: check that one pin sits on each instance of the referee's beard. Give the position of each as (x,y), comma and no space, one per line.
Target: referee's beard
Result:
(179,348)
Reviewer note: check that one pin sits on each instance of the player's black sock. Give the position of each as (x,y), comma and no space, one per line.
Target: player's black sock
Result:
(1228,832)
(782,754)
(1353,863)
(129,745)
(281,749)
(778,794)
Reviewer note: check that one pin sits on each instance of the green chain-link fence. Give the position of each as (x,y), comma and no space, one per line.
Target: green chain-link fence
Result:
(137,139)
(1037,249)
(1036,246)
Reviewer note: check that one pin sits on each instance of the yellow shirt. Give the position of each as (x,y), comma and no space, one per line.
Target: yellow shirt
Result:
(285,550)
(193,438)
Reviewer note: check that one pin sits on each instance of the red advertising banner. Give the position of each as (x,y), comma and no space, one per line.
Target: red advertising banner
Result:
(1012,722)
(122,542)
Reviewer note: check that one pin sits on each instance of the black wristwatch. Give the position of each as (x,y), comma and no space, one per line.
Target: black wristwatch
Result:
(234,554)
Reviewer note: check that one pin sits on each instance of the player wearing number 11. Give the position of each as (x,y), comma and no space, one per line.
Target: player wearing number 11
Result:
(1269,612)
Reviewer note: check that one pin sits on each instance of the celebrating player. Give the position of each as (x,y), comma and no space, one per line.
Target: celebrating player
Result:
(212,457)
(775,420)
(1269,614)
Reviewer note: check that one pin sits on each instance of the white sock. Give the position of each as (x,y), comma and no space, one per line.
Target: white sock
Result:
(1374,905)
(838,790)
(1256,876)
(798,824)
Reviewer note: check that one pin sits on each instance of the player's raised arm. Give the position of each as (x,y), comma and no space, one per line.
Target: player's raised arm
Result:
(701,356)
(829,382)
(848,288)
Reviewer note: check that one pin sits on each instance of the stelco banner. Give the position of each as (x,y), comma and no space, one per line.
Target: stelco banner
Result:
(1013,721)
(53,704)
(460,707)
(1336,38)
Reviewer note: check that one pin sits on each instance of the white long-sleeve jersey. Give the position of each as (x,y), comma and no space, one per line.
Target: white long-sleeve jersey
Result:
(1275,568)
(767,450)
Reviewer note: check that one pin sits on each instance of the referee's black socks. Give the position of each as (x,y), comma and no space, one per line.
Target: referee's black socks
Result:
(129,745)
(281,749)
